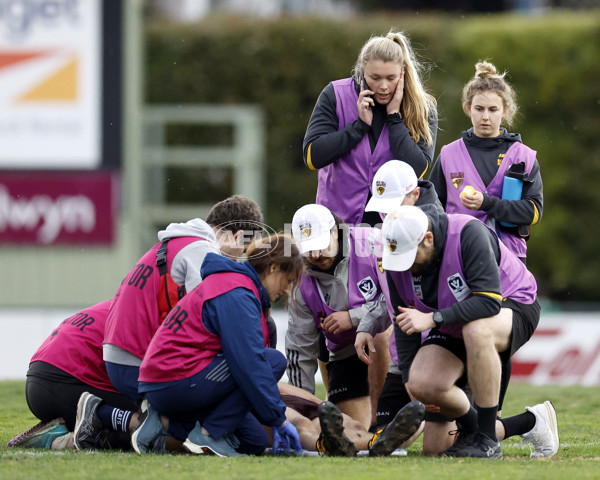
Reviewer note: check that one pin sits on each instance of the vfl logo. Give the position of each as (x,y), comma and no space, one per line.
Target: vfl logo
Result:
(380,187)
(306,229)
(458,287)
(457,179)
(367,288)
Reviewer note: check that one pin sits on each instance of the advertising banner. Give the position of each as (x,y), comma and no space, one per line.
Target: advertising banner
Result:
(50,84)
(57,207)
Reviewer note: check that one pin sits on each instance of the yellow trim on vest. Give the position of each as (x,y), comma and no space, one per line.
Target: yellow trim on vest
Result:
(309,163)
(423,174)
(536,213)
(489,294)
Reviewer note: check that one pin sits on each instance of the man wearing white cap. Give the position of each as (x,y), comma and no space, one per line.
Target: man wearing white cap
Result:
(449,273)
(339,290)
(395,184)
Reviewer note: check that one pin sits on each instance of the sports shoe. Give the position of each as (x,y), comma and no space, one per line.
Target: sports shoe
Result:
(463,439)
(89,431)
(474,444)
(544,435)
(332,440)
(406,422)
(149,435)
(41,435)
(200,443)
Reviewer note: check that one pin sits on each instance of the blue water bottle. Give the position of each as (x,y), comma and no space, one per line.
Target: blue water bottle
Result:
(512,186)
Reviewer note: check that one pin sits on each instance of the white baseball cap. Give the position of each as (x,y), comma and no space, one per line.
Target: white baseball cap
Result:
(311,227)
(402,231)
(391,183)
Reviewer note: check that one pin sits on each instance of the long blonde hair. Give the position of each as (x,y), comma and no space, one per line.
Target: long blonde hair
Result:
(488,79)
(417,104)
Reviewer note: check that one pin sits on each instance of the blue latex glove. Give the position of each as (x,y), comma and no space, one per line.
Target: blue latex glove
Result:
(286,438)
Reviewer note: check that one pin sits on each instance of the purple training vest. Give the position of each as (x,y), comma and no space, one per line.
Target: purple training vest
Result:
(363,287)
(344,184)
(516,281)
(459,171)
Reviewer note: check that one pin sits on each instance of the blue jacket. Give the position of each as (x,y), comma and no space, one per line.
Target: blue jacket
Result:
(242,342)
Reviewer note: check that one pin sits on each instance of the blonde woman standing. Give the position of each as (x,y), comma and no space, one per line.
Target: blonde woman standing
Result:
(382,112)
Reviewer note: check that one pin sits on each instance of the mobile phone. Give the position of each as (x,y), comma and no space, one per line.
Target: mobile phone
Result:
(365,85)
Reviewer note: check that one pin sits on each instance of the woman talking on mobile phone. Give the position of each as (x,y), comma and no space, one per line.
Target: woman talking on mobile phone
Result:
(382,112)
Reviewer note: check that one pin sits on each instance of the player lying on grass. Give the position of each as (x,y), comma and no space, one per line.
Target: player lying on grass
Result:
(324,428)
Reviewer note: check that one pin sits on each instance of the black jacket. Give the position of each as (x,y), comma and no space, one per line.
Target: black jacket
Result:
(327,143)
(481,258)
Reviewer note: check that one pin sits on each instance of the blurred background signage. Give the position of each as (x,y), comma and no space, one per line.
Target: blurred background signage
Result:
(57,84)
(50,64)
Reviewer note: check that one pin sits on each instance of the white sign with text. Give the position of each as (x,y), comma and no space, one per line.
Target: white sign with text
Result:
(50,84)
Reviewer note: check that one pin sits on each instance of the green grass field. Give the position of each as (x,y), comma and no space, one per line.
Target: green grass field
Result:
(578,411)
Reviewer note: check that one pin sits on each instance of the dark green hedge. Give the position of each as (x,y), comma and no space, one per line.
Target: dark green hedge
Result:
(553,61)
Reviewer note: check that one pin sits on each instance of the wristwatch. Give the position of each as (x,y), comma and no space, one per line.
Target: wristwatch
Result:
(437,319)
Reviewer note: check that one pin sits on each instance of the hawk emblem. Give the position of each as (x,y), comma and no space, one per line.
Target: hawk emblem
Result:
(457,179)
(306,229)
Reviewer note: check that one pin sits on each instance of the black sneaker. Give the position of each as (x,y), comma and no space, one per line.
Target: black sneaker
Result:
(89,431)
(476,445)
(463,439)
(332,440)
(404,425)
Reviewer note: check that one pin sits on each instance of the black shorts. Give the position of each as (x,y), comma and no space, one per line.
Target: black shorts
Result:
(303,406)
(525,321)
(348,378)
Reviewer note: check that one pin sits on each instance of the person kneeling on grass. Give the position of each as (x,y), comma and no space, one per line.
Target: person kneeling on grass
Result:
(209,365)
(449,273)
(66,367)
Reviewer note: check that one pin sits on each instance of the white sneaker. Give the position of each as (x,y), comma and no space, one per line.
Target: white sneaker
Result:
(544,435)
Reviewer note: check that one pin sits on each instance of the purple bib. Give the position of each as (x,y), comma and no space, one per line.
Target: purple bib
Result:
(363,287)
(516,281)
(459,171)
(344,184)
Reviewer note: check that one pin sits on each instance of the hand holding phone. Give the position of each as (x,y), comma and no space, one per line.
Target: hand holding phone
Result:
(365,102)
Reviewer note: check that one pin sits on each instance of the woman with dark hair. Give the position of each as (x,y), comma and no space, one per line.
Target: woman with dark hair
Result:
(209,364)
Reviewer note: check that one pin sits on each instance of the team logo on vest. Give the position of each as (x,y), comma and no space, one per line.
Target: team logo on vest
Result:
(457,179)
(458,287)
(367,288)
(306,229)
(380,187)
